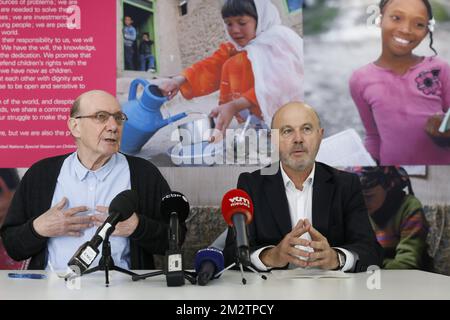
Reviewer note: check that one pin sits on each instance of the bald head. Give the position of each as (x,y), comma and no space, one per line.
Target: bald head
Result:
(299,135)
(91,98)
(287,109)
(97,136)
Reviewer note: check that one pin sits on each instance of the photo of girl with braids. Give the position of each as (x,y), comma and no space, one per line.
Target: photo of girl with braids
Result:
(402,97)
(397,217)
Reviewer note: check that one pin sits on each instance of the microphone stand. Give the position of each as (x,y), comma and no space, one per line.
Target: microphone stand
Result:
(106,262)
(188,275)
(173,250)
(241,263)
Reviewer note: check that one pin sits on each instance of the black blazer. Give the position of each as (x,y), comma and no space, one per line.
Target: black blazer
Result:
(338,212)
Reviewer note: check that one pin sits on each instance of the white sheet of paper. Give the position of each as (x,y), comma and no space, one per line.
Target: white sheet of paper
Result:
(314,273)
(416,170)
(344,149)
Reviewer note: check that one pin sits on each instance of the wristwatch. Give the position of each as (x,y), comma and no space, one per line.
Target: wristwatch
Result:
(341,259)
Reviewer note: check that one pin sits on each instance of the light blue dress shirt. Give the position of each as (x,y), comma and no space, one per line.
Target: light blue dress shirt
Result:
(83,187)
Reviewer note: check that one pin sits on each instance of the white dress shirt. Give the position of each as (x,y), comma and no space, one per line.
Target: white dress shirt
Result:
(83,187)
(300,207)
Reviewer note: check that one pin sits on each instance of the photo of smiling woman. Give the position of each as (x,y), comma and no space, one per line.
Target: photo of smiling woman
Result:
(402,97)
(258,69)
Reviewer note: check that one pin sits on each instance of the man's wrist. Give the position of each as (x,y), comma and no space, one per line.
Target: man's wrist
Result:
(268,258)
(336,260)
(35,228)
(265,257)
(340,259)
(135,223)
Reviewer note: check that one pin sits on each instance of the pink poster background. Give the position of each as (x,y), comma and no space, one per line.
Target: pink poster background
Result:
(98,20)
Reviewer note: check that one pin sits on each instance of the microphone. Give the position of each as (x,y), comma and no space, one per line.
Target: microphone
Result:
(208,263)
(121,208)
(174,209)
(237,210)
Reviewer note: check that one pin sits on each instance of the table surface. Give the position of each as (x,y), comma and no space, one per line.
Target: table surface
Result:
(394,284)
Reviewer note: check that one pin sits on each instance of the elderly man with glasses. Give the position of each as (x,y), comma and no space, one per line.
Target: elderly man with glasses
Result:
(61,200)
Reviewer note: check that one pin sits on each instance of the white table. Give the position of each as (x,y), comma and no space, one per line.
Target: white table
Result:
(395,284)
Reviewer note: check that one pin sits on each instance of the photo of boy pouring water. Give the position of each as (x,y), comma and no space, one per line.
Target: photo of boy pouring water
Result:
(256,67)
(257,70)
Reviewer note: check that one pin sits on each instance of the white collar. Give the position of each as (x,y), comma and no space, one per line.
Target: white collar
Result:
(288,182)
(101,173)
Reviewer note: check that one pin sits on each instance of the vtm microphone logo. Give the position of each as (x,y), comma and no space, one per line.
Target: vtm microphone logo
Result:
(240,201)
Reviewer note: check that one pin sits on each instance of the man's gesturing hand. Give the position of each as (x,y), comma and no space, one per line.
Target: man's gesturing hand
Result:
(57,221)
(323,256)
(286,252)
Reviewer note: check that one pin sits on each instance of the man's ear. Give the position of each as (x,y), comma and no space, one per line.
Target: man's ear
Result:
(72,123)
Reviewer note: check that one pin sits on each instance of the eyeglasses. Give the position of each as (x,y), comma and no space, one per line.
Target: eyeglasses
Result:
(103,117)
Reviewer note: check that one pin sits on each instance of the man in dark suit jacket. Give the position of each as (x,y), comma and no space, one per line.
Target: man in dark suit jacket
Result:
(339,237)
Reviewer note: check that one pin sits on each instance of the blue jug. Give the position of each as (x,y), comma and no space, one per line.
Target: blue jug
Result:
(144,116)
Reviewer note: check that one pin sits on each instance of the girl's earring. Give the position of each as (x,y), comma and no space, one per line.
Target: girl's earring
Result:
(378,21)
(431,24)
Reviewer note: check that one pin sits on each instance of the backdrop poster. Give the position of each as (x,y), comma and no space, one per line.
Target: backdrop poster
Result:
(51,52)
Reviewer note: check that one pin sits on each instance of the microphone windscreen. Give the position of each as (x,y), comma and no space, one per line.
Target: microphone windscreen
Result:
(125,203)
(237,201)
(174,202)
(210,254)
